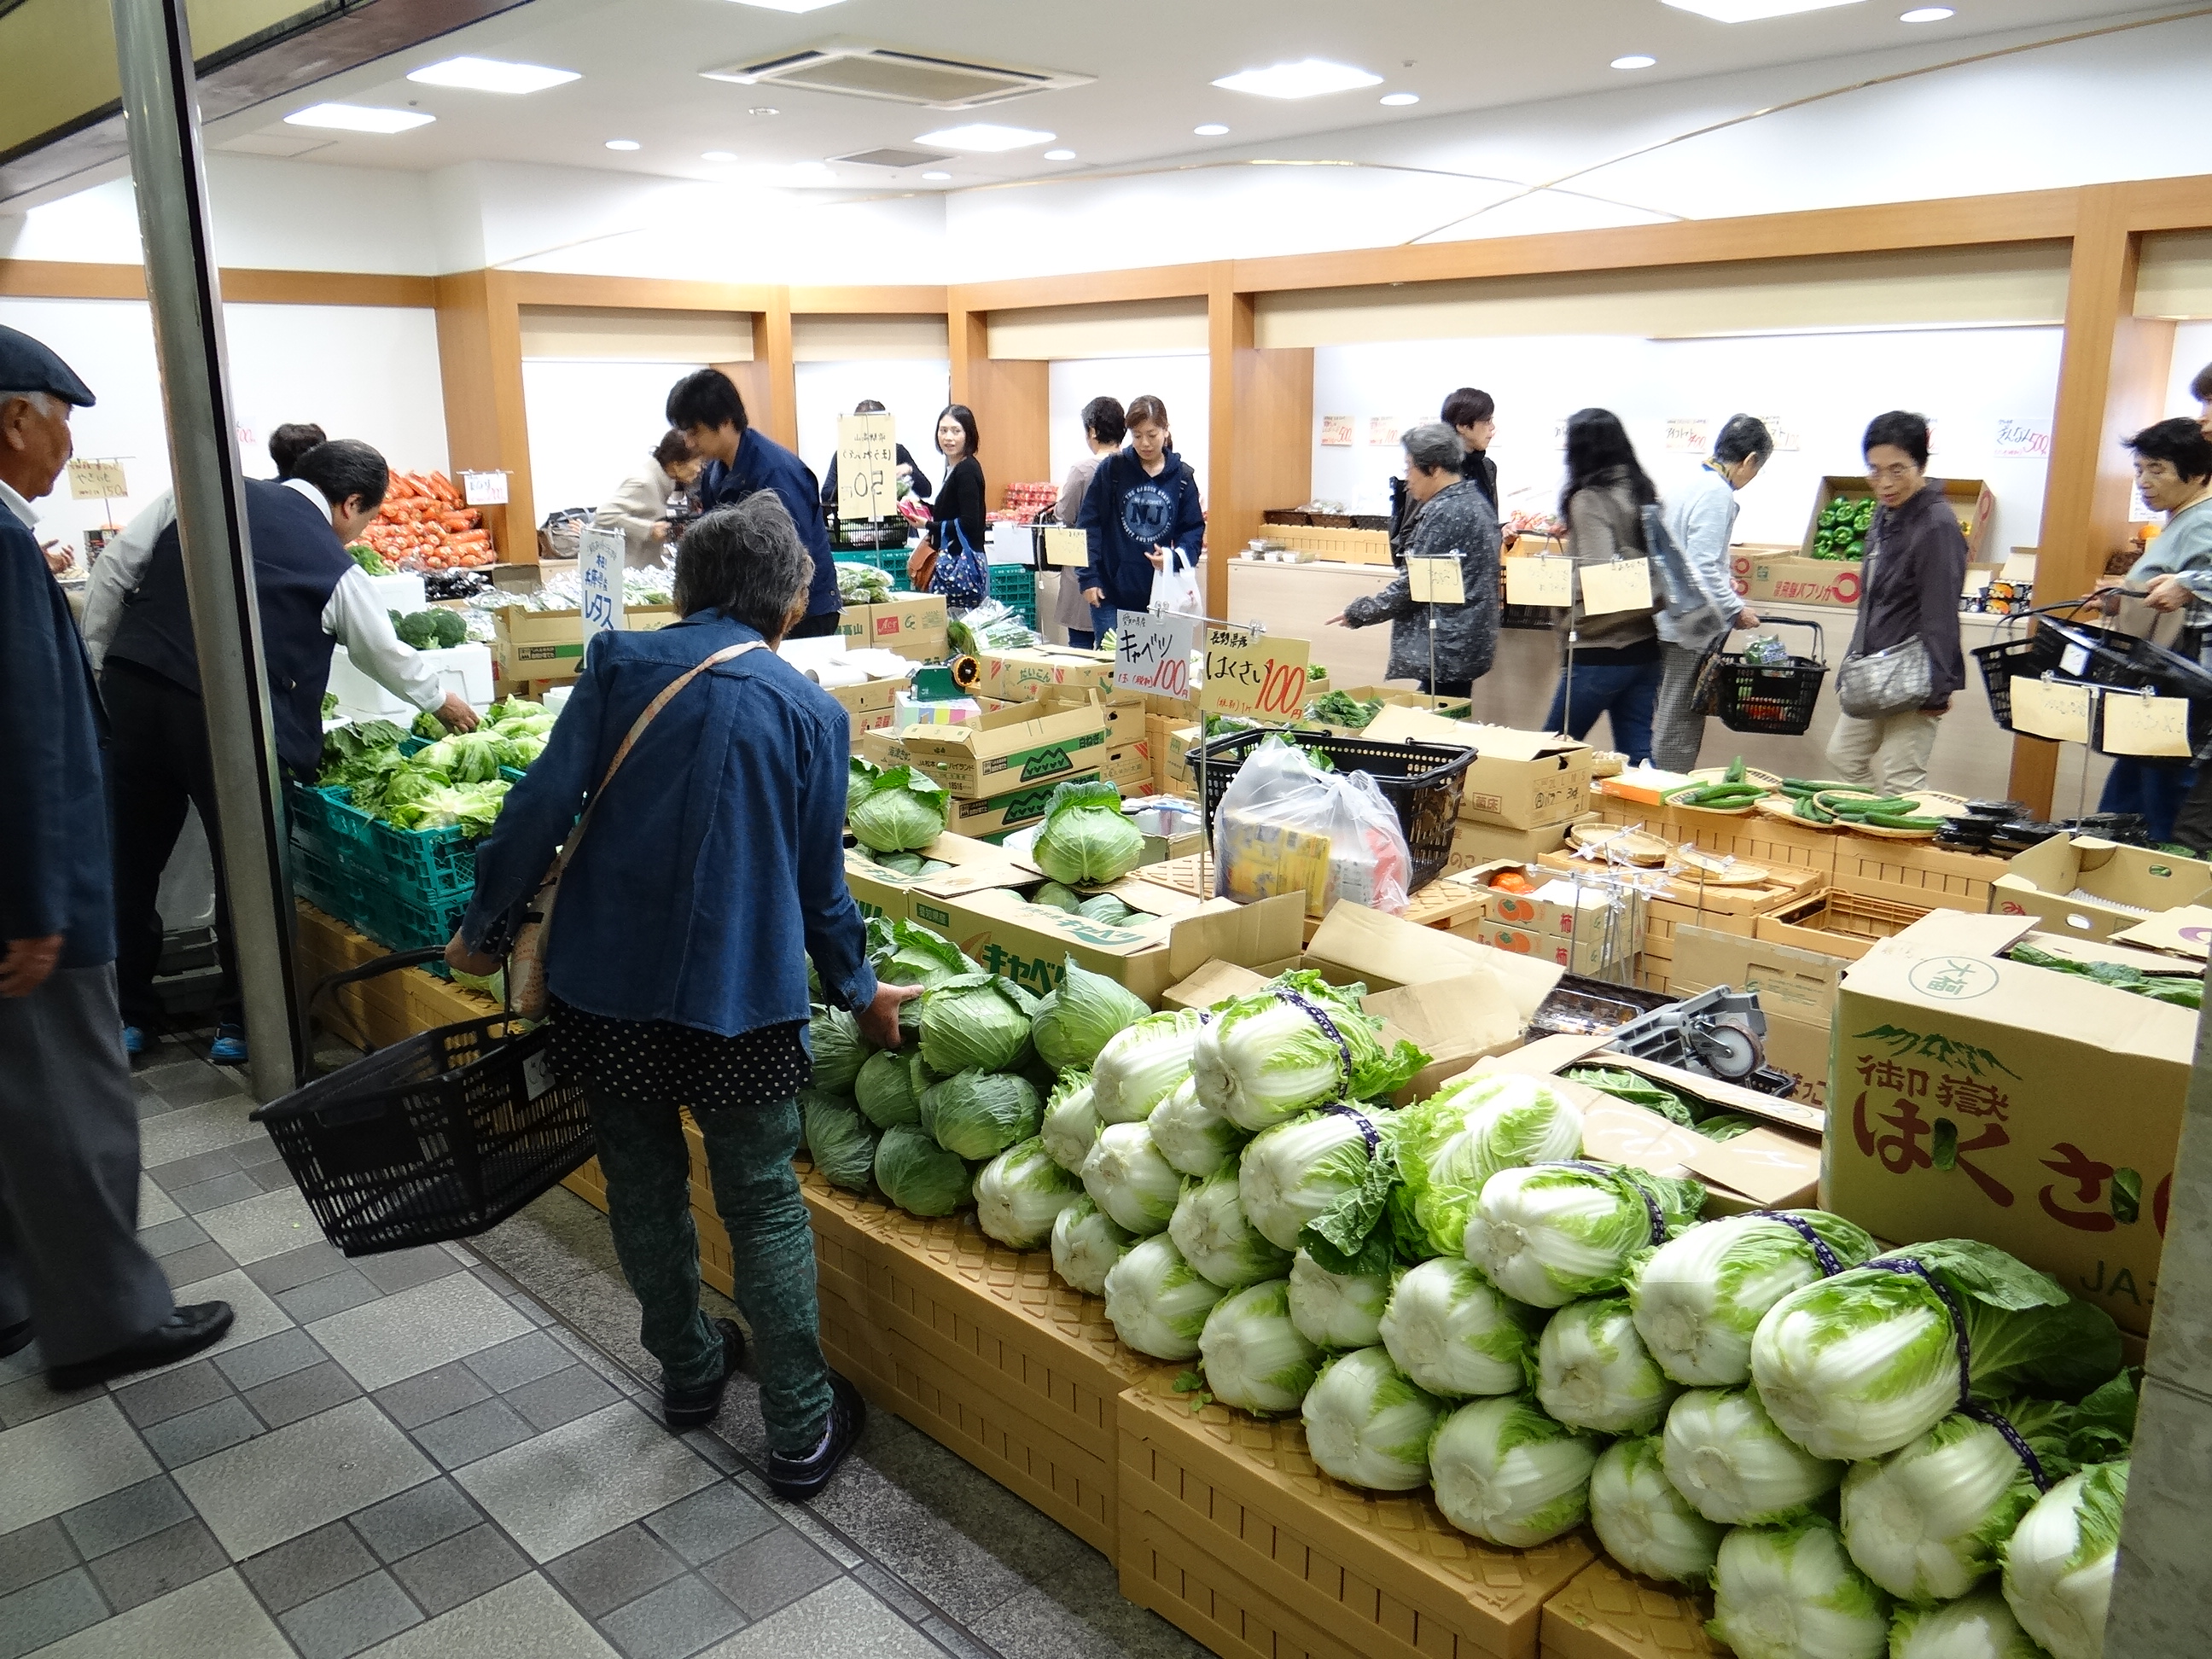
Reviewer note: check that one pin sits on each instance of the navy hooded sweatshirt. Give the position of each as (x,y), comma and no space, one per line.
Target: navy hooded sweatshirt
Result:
(1126,513)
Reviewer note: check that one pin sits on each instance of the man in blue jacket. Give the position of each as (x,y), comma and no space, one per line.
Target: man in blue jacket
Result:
(705,407)
(72,1272)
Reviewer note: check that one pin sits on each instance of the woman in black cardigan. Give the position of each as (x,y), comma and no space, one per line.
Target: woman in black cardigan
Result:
(963,582)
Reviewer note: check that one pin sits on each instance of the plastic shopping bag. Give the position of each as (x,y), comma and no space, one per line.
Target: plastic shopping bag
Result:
(1175,588)
(1287,826)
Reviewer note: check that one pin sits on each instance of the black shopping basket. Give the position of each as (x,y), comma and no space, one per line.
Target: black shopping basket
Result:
(1423,780)
(1774,697)
(441,1135)
(2087,653)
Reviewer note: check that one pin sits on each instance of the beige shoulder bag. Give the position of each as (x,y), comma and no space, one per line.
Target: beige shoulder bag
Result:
(525,959)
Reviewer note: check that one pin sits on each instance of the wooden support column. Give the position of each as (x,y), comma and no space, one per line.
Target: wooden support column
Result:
(772,347)
(2111,382)
(480,364)
(1011,399)
(1262,431)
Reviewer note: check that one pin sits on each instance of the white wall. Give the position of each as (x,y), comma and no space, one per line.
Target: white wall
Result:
(593,424)
(2193,351)
(1824,388)
(913,390)
(359,372)
(1182,383)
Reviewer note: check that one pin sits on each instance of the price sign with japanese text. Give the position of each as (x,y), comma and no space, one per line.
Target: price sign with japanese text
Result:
(1152,652)
(867,466)
(1435,582)
(1546,579)
(2145,725)
(599,568)
(1623,584)
(484,489)
(92,481)
(2051,708)
(1259,675)
(1065,548)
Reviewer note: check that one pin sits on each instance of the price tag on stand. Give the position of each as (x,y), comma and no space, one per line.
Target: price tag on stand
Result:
(1623,584)
(599,558)
(1065,548)
(1152,652)
(2145,725)
(94,481)
(1435,582)
(2051,708)
(1258,676)
(484,489)
(1540,579)
(867,466)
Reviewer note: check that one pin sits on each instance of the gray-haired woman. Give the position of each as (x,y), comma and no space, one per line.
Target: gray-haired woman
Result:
(1451,518)
(677,968)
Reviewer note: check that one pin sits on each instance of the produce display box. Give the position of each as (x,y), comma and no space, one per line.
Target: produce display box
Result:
(1839,924)
(1014,675)
(543,647)
(1235,1503)
(1969,498)
(1519,779)
(912,624)
(1916,872)
(1450,709)
(1444,902)
(1474,844)
(1607,1612)
(881,892)
(1339,546)
(1009,750)
(2091,889)
(370,1013)
(1000,815)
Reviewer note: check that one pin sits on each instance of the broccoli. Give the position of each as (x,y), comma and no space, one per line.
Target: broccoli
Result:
(369,559)
(430,630)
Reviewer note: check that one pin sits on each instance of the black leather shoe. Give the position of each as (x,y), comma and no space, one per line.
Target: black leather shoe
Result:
(14,1339)
(799,1478)
(186,1332)
(687,1408)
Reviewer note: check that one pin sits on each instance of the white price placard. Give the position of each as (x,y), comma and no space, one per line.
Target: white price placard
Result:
(2146,725)
(2051,708)
(1151,651)
(95,480)
(1435,582)
(1544,579)
(599,568)
(867,466)
(1065,548)
(1622,584)
(484,489)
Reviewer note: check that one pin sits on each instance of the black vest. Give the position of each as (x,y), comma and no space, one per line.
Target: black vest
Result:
(297,561)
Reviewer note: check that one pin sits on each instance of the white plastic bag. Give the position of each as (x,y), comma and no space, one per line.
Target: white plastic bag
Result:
(1287,826)
(1175,586)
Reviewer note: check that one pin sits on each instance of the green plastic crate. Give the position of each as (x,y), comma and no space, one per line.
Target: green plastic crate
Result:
(1014,586)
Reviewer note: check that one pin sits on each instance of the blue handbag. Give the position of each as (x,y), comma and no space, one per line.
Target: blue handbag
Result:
(959,576)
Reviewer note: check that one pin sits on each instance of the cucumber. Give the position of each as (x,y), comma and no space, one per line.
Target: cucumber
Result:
(1903,821)
(1811,786)
(1736,772)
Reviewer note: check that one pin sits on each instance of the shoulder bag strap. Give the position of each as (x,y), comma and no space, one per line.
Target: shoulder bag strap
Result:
(1866,585)
(637,729)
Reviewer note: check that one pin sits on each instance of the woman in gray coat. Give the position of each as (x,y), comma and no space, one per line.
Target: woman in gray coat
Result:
(1451,518)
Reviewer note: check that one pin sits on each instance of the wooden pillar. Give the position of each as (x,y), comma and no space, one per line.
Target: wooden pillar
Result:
(1261,436)
(1011,401)
(2111,382)
(480,364)
(772,347)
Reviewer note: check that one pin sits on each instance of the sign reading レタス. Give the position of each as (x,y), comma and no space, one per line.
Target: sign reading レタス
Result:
(867,466)
(599,570)
(1152,652)
(1259,675)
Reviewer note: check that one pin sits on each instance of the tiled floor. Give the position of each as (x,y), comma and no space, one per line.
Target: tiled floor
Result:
(413,1455)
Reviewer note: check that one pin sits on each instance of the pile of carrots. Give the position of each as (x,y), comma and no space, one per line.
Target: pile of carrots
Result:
(425,526)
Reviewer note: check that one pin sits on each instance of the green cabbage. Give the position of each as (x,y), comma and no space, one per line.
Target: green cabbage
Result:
(464,757)
(1592,1371)
(1508,1473)
(1699,1297)
(1053,896)
(1190,1135)
(1369,1423)
(1106,907)
(1020,1193)
(2058,1563)
(843,1146)
(1448,1330)
(1547,1233)
(1209,1227)
(1127,1178)
(980,1114)
(1294,1172)
(883,1089)
(1076,1020)
(906,953)
(1086,1244)
(1791,1592)
(1261,1059)
(975,1022)
(1086,837)
(1725,1456)
(1158,1301)
(1140,1067)
(918,1175)
(1450,1143)
(1336,1310)
(1254,1356)
(1644,1522)
(472,808)
(834,1037)
(1981,1626)
(893,810)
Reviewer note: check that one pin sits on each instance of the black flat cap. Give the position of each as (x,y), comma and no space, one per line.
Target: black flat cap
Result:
(28,365)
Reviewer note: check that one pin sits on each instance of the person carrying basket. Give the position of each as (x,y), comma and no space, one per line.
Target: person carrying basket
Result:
(1702,606)
(2174,472)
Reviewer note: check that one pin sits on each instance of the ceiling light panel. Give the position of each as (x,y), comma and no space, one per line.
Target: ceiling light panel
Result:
(358,118)
(985,137)
(1310,77)
(788,5)
(1635,60)
(1401,100)
(1753,11)
(1210,129)
(1926,14)
(491,74)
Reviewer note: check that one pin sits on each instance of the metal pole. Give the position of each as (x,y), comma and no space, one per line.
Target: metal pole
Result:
(162,117)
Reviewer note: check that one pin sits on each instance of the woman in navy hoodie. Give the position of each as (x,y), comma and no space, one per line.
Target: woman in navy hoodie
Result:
(1142,505)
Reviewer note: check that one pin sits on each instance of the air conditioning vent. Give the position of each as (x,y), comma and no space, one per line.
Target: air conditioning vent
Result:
(853,70)
(894,158)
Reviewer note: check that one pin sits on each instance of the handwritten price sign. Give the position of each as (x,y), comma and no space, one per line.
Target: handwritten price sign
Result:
(599,572)
(1152,652)
(1261,676)
(867,466)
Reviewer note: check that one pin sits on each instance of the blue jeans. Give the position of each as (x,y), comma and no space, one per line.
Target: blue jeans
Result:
(1081,639)
(1628,693)
(2154,788)
(1103,619)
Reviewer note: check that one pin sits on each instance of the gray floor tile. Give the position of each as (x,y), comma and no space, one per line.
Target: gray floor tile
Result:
(191,1265)
(433,1395)
(887,1587)
(32,1552)
(418,1330)
(466,1436)
(522,1360)
(487,1275)
(30,1399)
(524,1618)
(261,1225)
(255,1362)
(272,1174)
(194,1085)
(401,1270)
(59,1462)
(415,1519)
(1079,1613)
(307,1566)
(770,1572)
(254,1315)
(125,1517)
(302,1394)
(174,1178)
(801,1520)
(278,1273)
(460,1570)
(672,1622)
(172,1394)
(711,1446)
(197,1434)
(341,1622)
(166,1238)
(252,1496)
(583,1478)
(562,1397)
(48,1611)
(841,1620)
(609,1571)
(531,1310)
(954,1640)
(710,1523)
(168,1560)
(213,1194)
(328,1294)
(216,1618)
(155,1208)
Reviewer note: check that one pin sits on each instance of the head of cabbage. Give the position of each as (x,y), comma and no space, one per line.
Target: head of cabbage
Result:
(1547,1234)
(1592,1371)
(1140,1067)
(1302,1042)
(1699,1298)
(1510,1473)
(838,1140)
(1297,1172)
(1086,1242)
(1070,1125)
(894,810)
(1644,1522)
(906,953)
(1127,1178)
(2058,1563)
(1450,1330)
(1451,1143)
(1209,1227)
(918,1175)
(1158,1301)
(980,1114)
(833,1036)
(1725,1456)
(883,1089)
(975,1022)
(1190,1135)
(1369,1423)
(1977,1626)
(1086,837)
(1078,1017)
(1020,1193)
(1790,1592)
(1337,1310)
(1253,1355)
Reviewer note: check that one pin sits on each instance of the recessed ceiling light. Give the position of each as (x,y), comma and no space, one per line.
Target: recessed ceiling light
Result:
(623,143)
(1925,14)
(985,136)
(1309,78)
(717,156)
(788,5)
(1210,129)
(763,109)
(491,74)
(1751,11)
(1060,156)
(1399,100)
(1635,60)
(358,118)
(935,176)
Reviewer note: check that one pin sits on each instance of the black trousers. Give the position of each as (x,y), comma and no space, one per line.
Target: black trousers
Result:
(816,627)
(158,763)
(2192,825)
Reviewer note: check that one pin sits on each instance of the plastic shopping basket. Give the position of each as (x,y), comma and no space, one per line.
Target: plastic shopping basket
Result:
(441,1135)
(2085,651)
(1775,697)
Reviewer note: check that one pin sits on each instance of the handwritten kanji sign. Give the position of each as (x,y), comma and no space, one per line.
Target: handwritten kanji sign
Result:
(867,466)
(599,570)
(2145,725)
(1152,652)
(484,489)
(1435,582)
(1546,579)
(1259,675)
(2051,708)
(1622,584)
(1065,548)
(92,481)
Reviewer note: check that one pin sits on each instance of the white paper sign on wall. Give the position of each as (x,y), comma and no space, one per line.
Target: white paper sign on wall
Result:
(1336,431)
(92,480)
(484,489)
(2022,439)
(600,568)
(1689,435)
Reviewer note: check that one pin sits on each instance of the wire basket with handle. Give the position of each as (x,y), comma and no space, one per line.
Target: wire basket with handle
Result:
(442,1135)
(1772,698)
(2085,651)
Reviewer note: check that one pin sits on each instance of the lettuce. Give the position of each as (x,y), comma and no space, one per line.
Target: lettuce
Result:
(1262,1059)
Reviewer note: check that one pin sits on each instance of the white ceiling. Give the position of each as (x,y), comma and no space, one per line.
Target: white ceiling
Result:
(640,59)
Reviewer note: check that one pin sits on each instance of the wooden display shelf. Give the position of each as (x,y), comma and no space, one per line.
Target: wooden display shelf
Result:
(1605,1613)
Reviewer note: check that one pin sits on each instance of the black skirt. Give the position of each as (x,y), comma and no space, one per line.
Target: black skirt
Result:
(680,1065)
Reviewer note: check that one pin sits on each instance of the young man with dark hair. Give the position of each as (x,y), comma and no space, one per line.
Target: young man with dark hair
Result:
(2174,474)
(1473,416)
(290,442)
(705,407)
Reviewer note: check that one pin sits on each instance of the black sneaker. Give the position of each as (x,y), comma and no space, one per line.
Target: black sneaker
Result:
(799,1478)
(687,1408)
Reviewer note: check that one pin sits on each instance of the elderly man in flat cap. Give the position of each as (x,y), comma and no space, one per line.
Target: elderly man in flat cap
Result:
(72,1272)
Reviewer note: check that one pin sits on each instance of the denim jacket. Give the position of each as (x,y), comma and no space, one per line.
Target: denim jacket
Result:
(716,866)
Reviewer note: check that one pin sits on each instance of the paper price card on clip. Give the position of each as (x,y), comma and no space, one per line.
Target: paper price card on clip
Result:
(1435,582)
(867,466)
(599,574)
(1152,652)
(1259,675)
(2145,725)
(1623,584)
(1067,548)
(92,481)
(2051,708)
(1542,579)
(484,489)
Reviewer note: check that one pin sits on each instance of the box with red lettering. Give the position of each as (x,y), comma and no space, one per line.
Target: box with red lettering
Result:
(1979,1090)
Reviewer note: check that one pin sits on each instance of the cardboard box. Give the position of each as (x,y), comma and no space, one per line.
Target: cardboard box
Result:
(1840,925)
(2087,888)
(1450,709)
(2185,932)
(548,645)
(1131,762)
(1970,499)
(1797,992)
(1914,872)
(1795,579)
(1170,825)
(1456,1022)
(1519,779)
(1181,740)
(1009,750)
(986,820)
(1976,1096)
(869,704)
(1477,844)
(881,892)
(1356,1575)
(880,746)
(912,624)
(1015,676)
(1383,952)
(1606,1613)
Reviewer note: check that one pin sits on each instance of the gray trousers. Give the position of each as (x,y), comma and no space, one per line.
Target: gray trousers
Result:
(1676,733)
(71,1261)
